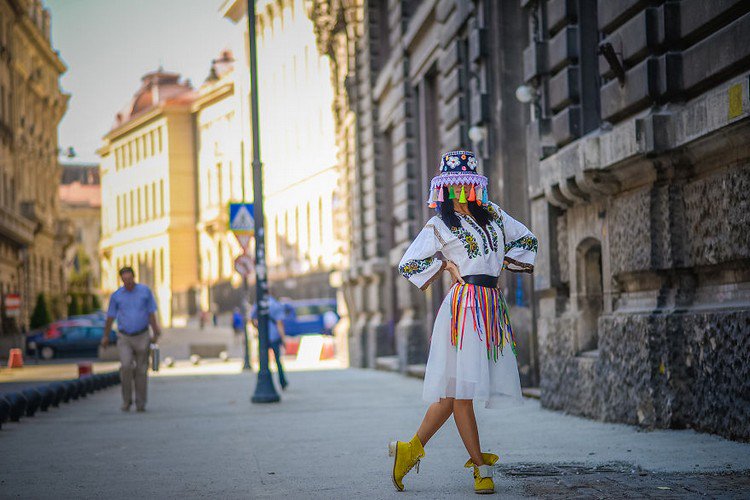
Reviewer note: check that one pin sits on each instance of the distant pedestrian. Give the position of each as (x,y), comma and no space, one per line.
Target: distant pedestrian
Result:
(472,348)
(203,319)
(276,332)
(134,308)
(330,318)
(238,323)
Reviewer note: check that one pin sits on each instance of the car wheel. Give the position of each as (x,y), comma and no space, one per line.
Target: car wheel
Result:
(47,352)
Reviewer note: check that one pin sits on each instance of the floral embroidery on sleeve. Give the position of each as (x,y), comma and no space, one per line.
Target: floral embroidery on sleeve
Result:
(412,267)
(525,243)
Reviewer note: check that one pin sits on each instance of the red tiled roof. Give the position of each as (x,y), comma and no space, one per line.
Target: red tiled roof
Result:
(157,88)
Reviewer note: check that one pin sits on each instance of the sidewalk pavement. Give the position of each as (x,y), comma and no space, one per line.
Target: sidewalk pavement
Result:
(201,438)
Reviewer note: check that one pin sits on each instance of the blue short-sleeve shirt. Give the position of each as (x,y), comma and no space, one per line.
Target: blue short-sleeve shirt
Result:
(131,308)
(275,313)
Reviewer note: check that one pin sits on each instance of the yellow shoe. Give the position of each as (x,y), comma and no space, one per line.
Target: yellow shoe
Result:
(406,456)
(483,482)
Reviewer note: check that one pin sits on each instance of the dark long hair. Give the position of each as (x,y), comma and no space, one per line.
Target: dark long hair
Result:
(448,214)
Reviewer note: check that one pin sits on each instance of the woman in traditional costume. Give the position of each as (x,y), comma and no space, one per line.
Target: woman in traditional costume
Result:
(472,348)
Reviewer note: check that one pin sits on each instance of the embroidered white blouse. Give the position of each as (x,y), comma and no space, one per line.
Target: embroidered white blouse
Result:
(503,243)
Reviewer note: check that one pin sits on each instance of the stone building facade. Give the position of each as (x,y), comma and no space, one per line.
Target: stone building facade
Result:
(630,162)
(33,239)
(639,175)
(80,198)
(413,79)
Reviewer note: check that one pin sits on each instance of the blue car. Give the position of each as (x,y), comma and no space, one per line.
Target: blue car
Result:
(97,317)
(78,341)
(306,317)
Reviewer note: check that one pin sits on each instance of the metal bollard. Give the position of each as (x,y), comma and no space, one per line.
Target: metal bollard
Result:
(73,389)
(33,399)
(82,392)
(59,391)
(4,409)
(88,384)
(17,406)
(48,396)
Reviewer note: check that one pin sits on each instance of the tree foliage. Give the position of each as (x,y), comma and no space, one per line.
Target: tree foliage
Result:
(41,315)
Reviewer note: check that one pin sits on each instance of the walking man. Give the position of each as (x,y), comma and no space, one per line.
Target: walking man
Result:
(238,325)
(276,333)
(134,308)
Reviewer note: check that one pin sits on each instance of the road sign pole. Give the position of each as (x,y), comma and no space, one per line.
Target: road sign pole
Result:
(245,312)
(242,223)
(265,392)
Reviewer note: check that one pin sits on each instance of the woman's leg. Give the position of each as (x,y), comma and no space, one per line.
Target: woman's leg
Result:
(463,414)
(435,417)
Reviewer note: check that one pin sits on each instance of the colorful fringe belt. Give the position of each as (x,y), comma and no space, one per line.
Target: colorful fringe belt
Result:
(490,313)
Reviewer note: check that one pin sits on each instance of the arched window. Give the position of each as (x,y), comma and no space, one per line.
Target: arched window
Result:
(589,294)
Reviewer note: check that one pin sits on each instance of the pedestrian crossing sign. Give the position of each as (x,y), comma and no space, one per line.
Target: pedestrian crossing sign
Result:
(241,218)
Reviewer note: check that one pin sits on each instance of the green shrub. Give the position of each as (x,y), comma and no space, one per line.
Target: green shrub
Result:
(41,315)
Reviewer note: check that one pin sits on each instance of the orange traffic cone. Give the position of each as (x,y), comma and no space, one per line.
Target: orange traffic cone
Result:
(15,358)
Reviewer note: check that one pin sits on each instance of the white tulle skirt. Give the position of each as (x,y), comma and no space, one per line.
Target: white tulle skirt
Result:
(468,372)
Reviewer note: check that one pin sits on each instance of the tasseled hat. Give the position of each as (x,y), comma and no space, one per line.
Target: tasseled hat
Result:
(458,168)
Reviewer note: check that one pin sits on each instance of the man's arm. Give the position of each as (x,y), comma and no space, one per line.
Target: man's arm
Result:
(154,326)
(107,329)
(111,315)
(152,316)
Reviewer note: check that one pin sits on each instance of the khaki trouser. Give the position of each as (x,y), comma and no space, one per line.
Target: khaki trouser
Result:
(134,365)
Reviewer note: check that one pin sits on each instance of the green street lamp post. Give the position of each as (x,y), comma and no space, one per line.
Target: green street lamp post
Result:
(265,392)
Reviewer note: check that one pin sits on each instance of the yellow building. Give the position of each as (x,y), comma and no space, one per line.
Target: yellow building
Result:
(33,239)
(148,195)
(297,145)
(222,177)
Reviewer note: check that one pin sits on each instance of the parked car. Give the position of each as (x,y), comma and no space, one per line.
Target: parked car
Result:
(80,340)
(53,331)
(97,317)
(305,317)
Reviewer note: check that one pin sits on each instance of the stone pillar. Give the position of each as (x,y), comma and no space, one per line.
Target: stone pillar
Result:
(412,328)
(359,317)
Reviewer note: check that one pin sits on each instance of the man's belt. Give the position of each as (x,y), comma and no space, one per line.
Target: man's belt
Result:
(481,280)
(133,333)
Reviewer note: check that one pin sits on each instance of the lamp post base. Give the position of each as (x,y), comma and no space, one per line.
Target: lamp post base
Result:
(265,392)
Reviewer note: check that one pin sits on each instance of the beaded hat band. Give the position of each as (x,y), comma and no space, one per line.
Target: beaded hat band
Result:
(458,168)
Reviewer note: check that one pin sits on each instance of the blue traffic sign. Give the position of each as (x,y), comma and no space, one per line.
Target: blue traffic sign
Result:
(241,217)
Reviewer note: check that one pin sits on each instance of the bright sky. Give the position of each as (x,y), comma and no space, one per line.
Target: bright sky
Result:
(109,44)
